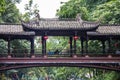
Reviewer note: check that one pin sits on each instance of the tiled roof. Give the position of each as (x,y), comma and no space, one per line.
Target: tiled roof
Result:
(106,30)
(61,25)
(13,29)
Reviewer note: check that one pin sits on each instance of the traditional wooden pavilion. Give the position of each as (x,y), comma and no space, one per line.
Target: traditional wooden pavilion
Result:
(73,28)
(105,33)
(9,32)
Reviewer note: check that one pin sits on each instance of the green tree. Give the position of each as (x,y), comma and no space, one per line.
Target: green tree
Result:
(11,13)
(31,11)
(2,5)
(106,11)
(109,12)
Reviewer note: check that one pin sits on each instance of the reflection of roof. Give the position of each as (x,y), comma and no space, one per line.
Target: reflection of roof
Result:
(61,25)
(13,29)
(106,30)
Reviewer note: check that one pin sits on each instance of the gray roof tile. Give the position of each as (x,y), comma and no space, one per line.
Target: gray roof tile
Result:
(61,25)
(13,29)
(106,30)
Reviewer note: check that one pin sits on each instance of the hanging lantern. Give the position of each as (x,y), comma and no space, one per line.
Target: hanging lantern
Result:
(45,37)
(75,37)
(116,45)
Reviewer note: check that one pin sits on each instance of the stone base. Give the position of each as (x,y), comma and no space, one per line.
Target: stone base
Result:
(74,56)
(86,56)
(45,56)
(9,56)
(109,56)
(33,56)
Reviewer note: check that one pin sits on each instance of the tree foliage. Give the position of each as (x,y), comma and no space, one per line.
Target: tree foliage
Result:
(30,11)
(107,10)
(10,13)
(2,5)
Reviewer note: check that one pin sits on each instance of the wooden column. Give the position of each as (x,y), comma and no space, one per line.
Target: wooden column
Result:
(32,46)
(71,49)
(74,46)
(103,46)
(109,45)
(9,50)
(43,45)
(86,45)
(82,45)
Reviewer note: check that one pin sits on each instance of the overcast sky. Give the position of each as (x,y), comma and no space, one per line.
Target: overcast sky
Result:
(47,7)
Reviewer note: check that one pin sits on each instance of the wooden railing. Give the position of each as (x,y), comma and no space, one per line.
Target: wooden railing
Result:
(53,53)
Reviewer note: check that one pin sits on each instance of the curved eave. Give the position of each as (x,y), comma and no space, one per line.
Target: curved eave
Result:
(84,27)
(18,33)
(91,26)
(102,34)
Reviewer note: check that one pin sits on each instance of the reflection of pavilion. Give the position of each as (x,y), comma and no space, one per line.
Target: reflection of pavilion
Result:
(73,28)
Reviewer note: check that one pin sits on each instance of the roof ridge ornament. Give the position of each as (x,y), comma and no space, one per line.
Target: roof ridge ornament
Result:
(78,17)
(37,15)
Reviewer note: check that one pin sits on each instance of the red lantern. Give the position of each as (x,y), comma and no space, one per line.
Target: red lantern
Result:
(75,37)
(116,45)
(45,37)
